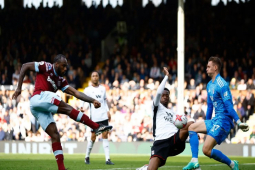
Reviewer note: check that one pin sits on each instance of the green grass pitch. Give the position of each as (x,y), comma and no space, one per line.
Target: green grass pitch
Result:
(122,162)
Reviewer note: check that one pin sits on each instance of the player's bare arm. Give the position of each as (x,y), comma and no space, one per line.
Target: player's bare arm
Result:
(25,67)
(72,91)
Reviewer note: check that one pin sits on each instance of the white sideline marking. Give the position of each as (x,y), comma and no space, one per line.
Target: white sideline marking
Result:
(181,166)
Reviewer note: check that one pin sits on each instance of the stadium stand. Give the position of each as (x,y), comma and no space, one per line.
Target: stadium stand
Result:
(132,70)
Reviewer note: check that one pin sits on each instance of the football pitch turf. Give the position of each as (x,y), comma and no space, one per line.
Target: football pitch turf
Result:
(97,161)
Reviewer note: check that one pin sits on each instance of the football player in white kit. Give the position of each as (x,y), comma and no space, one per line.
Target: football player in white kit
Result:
(100,115)
(168,139)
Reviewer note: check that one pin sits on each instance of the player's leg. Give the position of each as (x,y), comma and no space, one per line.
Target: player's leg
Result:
(154,163)
(52,131)
(51,102)
(198,127)
(76,115)
(106,148)
(90,145)
(38,103)
(217,134)
(184,132)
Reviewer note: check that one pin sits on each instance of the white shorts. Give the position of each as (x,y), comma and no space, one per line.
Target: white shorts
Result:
(43,105)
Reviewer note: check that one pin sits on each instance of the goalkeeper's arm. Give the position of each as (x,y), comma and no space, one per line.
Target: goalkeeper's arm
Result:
(229,106)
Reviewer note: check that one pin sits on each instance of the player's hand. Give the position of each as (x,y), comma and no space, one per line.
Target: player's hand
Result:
(96,104)
(166,71)
(81,109)
(16,94)
(243,126)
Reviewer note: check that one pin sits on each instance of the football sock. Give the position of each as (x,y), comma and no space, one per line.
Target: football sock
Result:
(58,152)
(89,148)
(232,164)
(80,117)
(106,149)
(194,159)
(194,143)
(219,156)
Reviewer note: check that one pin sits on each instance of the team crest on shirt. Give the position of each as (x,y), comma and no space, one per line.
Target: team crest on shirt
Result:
(51,74)
(48,66)
(152,152)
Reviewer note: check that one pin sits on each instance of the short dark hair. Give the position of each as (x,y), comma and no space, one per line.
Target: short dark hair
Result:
(166,89)
(217,61)
(95,72)
(58,58)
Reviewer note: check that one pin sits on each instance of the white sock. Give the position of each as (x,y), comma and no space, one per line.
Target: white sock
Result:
(232,164)
(89,148)
(106,149)
(194,160)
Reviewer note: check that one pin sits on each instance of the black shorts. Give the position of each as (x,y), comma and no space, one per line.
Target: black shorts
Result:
(167,147)
(104,122)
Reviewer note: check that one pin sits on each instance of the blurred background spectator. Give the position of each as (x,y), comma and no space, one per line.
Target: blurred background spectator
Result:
(132,70)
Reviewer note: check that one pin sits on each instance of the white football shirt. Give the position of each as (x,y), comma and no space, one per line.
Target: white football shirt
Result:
(163,126)
(98,93)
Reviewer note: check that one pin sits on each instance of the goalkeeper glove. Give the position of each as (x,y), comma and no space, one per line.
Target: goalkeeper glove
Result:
(243,126)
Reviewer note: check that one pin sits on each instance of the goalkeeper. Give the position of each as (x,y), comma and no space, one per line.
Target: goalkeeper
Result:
(219,98)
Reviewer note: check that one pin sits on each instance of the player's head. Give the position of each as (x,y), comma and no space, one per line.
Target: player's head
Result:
(95,77)
(60,64)
(213,66)
(165,97)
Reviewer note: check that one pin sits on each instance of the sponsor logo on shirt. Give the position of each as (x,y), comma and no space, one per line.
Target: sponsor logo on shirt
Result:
(52,83)
(169,117)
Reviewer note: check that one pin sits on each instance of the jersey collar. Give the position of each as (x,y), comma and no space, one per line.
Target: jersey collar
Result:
(216,77)
(55,71)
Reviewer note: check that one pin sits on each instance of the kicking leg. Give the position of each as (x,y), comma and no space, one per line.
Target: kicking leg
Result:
(52,131)
(80,117)
(89,147)
(76,115)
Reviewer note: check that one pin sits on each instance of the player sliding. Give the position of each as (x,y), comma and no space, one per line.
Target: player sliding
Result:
(169,141)
(44,101)
(217,128)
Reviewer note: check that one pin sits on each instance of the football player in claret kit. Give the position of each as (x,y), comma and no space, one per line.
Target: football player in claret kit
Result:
(100,116)
(45,101)
(168,139)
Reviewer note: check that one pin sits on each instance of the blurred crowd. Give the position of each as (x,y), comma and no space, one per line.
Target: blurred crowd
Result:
(133,70)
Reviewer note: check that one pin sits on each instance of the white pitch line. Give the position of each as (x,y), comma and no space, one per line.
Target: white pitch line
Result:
(179,166)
